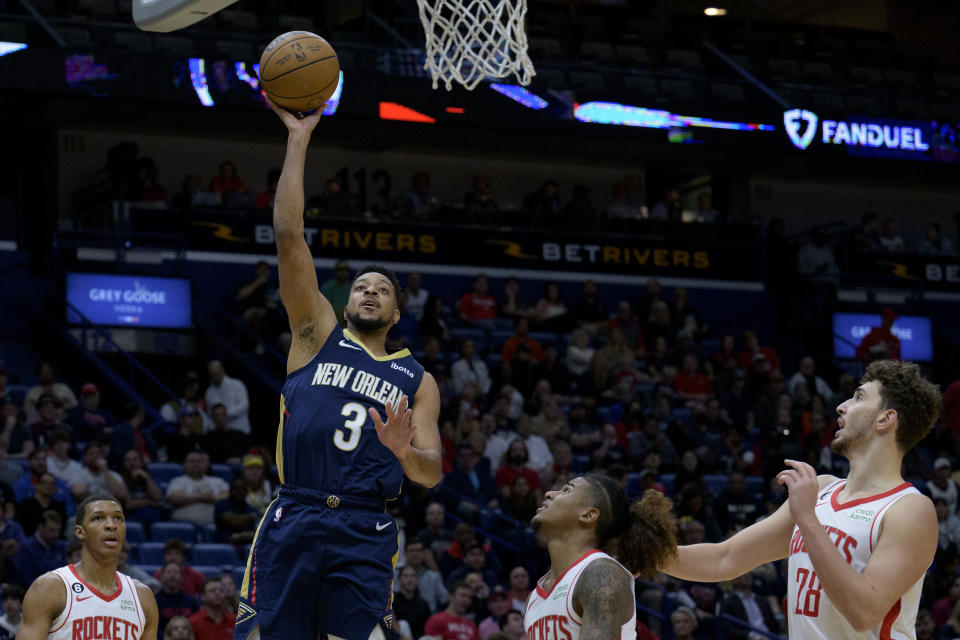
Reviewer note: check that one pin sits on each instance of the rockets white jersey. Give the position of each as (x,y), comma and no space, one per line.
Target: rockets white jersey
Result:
(854,527)
(91,615)
(550,615)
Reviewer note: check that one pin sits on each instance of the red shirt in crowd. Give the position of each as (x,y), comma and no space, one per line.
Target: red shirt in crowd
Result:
(206,628)
(191,582)
(478,306)
(507,475)
(450,627)
(879,335)
(693,384)
(746,358)
(513,343)
(219,184)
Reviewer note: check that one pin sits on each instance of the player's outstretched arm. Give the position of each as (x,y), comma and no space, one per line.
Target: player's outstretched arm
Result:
(43,602)
(311,317)
(604,594)
(413,435)
(904,551)
(150,612)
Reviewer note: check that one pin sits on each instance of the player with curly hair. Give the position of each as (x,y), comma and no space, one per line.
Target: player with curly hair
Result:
(597,542)
(858,547)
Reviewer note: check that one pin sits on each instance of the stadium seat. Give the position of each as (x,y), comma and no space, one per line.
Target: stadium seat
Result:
(498,337)
(829,100)
(683,59)
(150,569)
(238,571)
(235,50)
(218,554)
(208,570)
(717,483)
(678,88)
(207,532)
(633,56)
(150,552)
(136,533)
(479,338)
(601,52)
(682,415)
(727,91)
(164,471)
(667,480)
(77,38)
(587,80)
(223,471)
(163,531)
(544,338)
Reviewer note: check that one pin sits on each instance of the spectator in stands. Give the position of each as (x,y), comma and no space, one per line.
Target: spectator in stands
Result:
(178,628)
(337,289)
(515,465)
(807,374)
(742,603)
(685,622)
(752,347)
(43,498)
(478,201)
(429,583)
(227,181)
(144,496)
(251,299)
(97,476)
(951,407)
(406,332)
(511,625)
(474,561)
(543,207)
(693,506)
(231,393)
(88,419)
(685,316)
(881,343)
(36,468)
(61,465)
(46,420)
(260,491)
(936,244)
(622,207)
(418,202)
(705,212)
(44,550)
(416,295)
(435,536)
(194,493)
(670,208)
(235,519)
(135,572)
(815,259)
(187,437)
(478,308)
(469,368)
(734,508)
(64,397)
(579,355)
(942,608)
(223,444)
(131,434)
(866,237)
(580,213)
(408,604)
(629,326)
(521,336)
(925,629)
(213,621)
(189,579)
(434,325)
(475,490)
(659,324)
(550,313)
(589,310)
(189,188)
(265,198)
(513,305)
(146,185)
(519,588)
(12,611)
(172,600)
(943,486)
(451,623)
(520,504)
(690,383)
(10,529)
(948,524)
(334,201)
(890,239)
(189,388)
(498,604)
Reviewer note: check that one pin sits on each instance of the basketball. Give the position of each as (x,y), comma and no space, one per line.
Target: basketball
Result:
(299,71)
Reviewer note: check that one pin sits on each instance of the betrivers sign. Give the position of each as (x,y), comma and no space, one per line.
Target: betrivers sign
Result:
(801,127)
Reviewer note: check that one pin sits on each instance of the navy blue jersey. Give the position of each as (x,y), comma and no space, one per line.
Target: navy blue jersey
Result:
(327,441)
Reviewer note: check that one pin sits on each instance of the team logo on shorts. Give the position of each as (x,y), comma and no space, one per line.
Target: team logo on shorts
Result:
(245,612)
(77,587)
(388,621)
(278,514)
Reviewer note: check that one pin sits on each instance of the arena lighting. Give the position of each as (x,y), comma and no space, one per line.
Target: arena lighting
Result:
(11,47)
(395,111)
(629,116)
(333,101)
(518,94)
(241,69)
(198,78)
(714,11)
(864,133)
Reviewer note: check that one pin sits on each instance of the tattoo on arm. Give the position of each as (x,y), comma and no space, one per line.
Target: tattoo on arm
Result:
(605,595)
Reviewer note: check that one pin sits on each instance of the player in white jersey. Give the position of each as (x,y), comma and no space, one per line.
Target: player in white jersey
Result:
(588,593)
(858,548)
(91,600)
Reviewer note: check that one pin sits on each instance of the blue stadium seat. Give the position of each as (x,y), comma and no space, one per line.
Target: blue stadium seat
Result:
(23,463)
(209,571)
(544,338)
(709,346)
(150,553)
(238,571)
(611,413)
(579,464)
(667,480)
(164,471)
(717,483)
(498,338)
(246,552)
(493,361)
(149,569)
(468,333)
(222,471)
(163,531)
(503,324)
(208,533)
(213,554)
(683,415)
(136,533)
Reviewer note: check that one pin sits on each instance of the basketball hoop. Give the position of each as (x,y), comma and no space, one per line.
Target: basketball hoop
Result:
(469,40)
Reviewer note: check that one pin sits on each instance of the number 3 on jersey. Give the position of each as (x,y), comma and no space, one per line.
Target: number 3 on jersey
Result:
(808,604)
(356,415)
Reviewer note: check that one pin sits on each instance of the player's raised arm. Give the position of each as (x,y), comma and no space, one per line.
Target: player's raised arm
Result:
(44,601)
(311,316)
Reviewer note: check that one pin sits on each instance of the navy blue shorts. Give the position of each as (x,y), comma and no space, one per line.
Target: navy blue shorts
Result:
(319,564)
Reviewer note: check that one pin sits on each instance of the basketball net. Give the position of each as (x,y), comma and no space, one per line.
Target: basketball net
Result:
(469,40)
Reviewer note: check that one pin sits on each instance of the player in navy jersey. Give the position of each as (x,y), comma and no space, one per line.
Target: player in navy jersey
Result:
(354,420)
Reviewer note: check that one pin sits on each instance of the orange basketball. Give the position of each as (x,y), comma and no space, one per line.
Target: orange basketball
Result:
(299,71)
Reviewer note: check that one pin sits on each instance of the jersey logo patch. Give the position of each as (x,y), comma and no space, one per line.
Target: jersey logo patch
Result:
(388,621)
(79,599)
(278,514)
(344,343)
(245,612)
(77,587)
(381,527)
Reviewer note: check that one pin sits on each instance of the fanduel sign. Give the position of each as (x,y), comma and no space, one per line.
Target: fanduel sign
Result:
(801,127)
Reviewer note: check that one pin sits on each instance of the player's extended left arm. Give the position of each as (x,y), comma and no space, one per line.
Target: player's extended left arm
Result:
(904,551)
(423,462)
